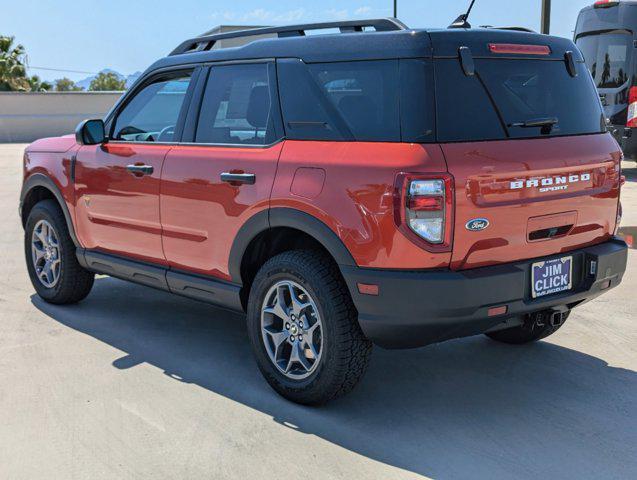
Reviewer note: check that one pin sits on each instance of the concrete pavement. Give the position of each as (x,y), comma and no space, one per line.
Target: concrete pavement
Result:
(134,383)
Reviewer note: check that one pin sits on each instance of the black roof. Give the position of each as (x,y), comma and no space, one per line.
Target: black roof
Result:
(362,45)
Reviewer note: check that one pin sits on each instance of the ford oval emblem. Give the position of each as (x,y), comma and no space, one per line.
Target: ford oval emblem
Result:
(477,224)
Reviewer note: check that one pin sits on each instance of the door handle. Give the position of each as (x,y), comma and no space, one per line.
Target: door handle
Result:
(246,178)
(140,170)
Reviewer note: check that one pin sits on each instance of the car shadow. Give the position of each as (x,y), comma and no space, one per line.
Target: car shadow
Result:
(469,408)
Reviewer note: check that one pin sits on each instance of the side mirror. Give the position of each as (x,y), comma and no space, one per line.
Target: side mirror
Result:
(90,132)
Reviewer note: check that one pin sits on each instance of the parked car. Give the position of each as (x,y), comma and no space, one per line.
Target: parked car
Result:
(606,32)
(378,185)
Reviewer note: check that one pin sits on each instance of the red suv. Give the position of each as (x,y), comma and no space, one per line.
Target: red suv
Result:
(381,184)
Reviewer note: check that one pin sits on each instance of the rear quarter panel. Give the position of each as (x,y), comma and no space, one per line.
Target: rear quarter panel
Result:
(349,186)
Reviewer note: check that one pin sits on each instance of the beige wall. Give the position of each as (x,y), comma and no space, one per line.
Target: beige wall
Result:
(25,117)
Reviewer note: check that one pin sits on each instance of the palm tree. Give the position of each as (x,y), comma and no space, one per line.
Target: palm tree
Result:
(12,70)
(38,85)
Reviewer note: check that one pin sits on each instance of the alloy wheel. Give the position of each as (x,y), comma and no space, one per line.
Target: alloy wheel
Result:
(45,253)
(292,330)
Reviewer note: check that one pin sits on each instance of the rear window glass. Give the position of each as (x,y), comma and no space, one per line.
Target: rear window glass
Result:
(526,91)
(464,111)
(607,57)
(509,97)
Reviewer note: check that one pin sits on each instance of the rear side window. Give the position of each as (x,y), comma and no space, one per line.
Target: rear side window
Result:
(236,106)
(607,56)
(307,114)
(417,104)
(341,100)
(365,95)
(373,101)
(506,99)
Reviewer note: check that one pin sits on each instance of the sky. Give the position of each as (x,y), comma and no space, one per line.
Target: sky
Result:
(128,35)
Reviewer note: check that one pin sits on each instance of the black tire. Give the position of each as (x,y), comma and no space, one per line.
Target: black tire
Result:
(530,331)
(345,350)
(74,282)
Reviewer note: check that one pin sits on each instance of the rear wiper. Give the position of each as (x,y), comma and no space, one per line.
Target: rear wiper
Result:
(537,122)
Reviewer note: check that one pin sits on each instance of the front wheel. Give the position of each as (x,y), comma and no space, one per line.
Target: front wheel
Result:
(304,329)
(53,268)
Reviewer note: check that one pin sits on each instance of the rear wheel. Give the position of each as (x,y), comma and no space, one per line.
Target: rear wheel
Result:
(536,327)
(304,330)
(53,268)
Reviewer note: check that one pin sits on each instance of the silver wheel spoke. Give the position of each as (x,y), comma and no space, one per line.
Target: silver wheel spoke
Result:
(310,345)
(55,266)
(41,236)
(303,360)
(277,339)
(281,301)
(278,310)
(45,273)
(298,305)
(294,357)
(38,253)
(310,331)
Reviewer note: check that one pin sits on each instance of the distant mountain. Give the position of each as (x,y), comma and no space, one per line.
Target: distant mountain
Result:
(130,79)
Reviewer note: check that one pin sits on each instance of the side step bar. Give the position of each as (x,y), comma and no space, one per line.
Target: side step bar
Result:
(206,289)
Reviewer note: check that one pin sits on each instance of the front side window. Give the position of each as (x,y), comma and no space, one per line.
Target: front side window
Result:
(152,114)
(236,106)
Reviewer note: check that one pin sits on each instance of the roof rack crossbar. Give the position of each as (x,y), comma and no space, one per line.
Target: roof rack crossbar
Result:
(207,41)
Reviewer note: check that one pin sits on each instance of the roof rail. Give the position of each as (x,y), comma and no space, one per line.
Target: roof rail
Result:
(206,42)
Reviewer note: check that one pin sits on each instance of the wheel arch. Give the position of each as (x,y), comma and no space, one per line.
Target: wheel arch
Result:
(39,187)
(273,231)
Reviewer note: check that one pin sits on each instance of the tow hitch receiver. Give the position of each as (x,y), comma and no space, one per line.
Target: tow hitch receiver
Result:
(555,318)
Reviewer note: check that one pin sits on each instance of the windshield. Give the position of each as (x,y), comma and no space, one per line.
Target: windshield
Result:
(607,57)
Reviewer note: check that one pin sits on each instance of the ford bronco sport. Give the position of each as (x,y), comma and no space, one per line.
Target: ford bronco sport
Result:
(374,185)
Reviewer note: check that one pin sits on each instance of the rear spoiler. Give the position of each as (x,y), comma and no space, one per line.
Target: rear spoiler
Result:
(446,44)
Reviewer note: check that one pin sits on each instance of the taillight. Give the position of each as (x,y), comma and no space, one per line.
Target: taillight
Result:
(618,222)
(423,209)
(632,108)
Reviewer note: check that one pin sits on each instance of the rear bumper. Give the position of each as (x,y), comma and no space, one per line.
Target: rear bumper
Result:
(414,309)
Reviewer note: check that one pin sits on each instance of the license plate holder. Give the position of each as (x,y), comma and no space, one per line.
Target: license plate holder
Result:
(551,276)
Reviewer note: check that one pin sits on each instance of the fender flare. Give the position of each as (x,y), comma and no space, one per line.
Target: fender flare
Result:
(41,180)
(291,218)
